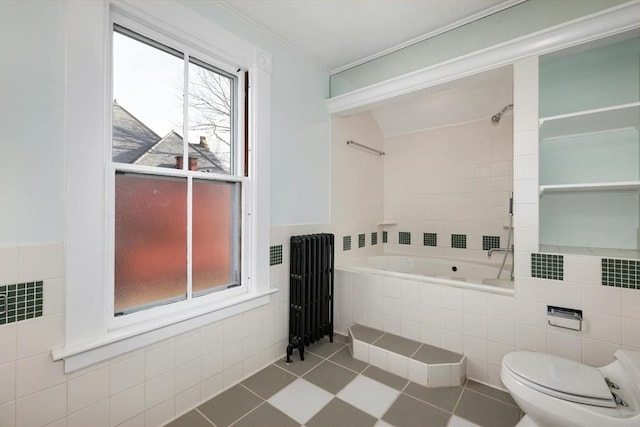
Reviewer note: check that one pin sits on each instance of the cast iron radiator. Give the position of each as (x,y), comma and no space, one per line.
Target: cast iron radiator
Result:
(310,291)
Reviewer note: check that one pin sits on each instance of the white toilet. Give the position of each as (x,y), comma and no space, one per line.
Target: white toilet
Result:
(558,392)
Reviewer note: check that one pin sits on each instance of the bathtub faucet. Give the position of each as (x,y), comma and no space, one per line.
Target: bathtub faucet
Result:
(492,250)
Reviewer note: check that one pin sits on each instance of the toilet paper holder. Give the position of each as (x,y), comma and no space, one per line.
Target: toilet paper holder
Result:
(566,318)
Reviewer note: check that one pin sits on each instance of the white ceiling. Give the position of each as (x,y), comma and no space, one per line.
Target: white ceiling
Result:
(338,33)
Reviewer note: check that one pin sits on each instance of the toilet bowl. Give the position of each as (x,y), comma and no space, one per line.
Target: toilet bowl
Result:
(558,392)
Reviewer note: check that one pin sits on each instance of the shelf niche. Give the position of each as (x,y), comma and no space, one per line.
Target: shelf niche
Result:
(590,146)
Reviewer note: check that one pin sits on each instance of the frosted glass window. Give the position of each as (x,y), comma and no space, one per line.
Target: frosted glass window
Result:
(215,235)
(150,241)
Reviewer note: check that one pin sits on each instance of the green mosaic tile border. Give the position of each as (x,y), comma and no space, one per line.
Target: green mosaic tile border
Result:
(429,239)
(459,241)
(275,255)
(547,266)
(23,301)
(490,242)
(374,238)
(404,238)
(361,241)
(621,273)
(385,237)
(346,243)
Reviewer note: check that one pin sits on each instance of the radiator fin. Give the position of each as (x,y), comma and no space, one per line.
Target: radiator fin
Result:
(310,291)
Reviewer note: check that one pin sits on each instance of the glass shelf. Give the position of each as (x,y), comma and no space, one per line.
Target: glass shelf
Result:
(617,118)
(633,186)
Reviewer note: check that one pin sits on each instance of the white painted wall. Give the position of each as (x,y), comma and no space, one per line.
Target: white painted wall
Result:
(32,121)
(300,129)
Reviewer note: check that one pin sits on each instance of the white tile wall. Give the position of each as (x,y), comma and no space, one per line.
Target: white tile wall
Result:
(148,387)
(452,180)
(356,195)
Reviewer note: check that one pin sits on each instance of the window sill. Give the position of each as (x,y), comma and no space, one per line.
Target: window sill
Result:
(124,340)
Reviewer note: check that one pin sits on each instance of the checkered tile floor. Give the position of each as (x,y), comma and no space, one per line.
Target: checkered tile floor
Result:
(330,388)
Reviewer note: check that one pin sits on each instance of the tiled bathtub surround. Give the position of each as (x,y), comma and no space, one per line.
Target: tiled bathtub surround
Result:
(481,326)
(547,266)
(490,242)
(20,302)
(621,273)
(459,241)
(429,239)
(453,179)
(422,363)
(346,243)
(404,238)
(357,177)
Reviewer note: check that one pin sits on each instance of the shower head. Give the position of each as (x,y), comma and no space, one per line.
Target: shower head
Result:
(496,117)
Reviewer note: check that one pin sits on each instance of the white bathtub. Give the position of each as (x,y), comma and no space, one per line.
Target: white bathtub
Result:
(474,275)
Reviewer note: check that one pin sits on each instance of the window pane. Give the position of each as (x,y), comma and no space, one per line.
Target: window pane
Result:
(210,118)
(150,241)
(215,235)
(147,105)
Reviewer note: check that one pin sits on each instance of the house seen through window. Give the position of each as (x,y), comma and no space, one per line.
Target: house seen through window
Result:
(176,193)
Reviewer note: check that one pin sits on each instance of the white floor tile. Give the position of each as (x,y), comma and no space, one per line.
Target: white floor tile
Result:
(460,422)
(301,400)
(381,423)
(368,395)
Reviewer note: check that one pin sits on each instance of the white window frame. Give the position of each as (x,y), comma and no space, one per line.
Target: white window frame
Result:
(160,311)
(92,332)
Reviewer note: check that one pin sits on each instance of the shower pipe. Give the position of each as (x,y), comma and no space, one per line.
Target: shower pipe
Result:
(378,152)
(496,117)
(509,244)
(509,247)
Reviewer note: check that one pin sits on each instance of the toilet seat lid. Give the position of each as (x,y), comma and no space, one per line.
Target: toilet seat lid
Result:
(559,374)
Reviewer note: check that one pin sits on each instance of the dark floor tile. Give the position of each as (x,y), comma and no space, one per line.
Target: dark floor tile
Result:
(230,405)
(387,378)
(365,334)
(330,376)
(300,367)
(269,381)
(266,416)
(486,411)
(409,412)
(491,392)
(397,344)
(340,338)
(192,418)
(344,358)
(339,413)
(442,397)
(434,355)
(325,348)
